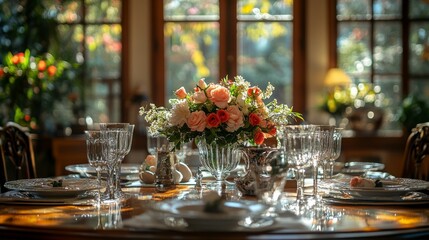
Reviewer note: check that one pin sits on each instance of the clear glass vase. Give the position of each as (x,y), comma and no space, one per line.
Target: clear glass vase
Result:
(219,160)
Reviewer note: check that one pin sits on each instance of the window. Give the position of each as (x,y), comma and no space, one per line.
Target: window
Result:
(260,40)
(385,43)
(91,34)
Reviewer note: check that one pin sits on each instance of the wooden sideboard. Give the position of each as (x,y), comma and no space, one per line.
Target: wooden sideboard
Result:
(387,148)
(67,151)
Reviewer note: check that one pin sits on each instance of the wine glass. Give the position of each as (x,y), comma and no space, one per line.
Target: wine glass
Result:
(335,153)
(298,146)
(322,149)
(94,146)
(116,134)
(129,139)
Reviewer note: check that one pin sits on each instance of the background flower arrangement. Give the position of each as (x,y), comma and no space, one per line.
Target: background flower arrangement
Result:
(27,83)
(231,111)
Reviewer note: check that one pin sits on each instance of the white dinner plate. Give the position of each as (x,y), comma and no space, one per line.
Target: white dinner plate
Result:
(129,171)
(43,187)
(359,168)
(191,214)
(391,188)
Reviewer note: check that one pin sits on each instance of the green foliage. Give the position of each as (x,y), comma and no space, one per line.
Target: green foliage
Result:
(30,86)
(413,110)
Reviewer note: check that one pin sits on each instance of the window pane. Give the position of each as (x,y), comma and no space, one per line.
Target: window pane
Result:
(354,55)
(390,98)
(103,44)
(103,10)
(191,53)
(68,11)
(270,10)
(420,87)
(352,9)
(265,55)
(384,9)
(419,48)
(71,43)
(419,9)
(388,47)
(191,9)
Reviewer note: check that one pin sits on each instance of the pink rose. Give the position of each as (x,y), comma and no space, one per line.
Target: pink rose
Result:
(181,93)
(202,84)
(209,90)
(220,96)
(197,121)
(235,120)
(199,97)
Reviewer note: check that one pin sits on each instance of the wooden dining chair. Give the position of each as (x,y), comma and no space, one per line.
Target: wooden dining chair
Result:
(17,156)
(416,151)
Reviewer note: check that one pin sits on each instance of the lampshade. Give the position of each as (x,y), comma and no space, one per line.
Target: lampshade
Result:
(336,76)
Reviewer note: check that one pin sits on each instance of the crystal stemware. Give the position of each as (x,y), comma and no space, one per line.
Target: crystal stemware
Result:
(298,146)
(335,153)
(94,144)
(322,149)
(116,134)
(129,139)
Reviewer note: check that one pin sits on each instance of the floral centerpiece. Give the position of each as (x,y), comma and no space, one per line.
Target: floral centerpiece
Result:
(25,81)
(231,111)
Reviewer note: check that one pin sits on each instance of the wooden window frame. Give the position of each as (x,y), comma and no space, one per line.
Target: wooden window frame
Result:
(229,51)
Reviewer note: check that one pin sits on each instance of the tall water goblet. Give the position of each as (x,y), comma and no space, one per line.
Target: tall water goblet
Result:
(129,139)
(117,136)
(298,147)
(96,159)
(335,153)
(322,149)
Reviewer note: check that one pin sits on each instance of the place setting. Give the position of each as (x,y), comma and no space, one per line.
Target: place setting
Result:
(366,191)
(50,191)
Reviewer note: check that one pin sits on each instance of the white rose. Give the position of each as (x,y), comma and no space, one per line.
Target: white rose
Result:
(179,113)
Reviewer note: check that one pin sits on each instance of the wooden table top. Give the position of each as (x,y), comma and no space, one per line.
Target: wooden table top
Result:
(86,222)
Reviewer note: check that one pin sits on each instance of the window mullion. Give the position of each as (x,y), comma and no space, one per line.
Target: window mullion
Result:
(228,38)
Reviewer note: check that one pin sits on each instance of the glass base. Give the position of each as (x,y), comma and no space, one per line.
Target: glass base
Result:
(227,190)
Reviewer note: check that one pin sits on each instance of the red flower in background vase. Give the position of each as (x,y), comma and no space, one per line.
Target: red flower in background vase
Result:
(52,70)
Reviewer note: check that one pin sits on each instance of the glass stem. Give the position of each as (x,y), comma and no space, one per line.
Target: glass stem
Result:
(331,169)
(315,173)
(300,174)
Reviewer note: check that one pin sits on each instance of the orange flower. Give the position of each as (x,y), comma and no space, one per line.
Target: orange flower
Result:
(18,58)
(213,120)
(258,137)
(181,93)
(254,119)
(253,91)
(223,115)
(41,66)
(52,70)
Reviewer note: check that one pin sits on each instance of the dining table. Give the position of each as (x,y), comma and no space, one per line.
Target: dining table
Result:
(131,218)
